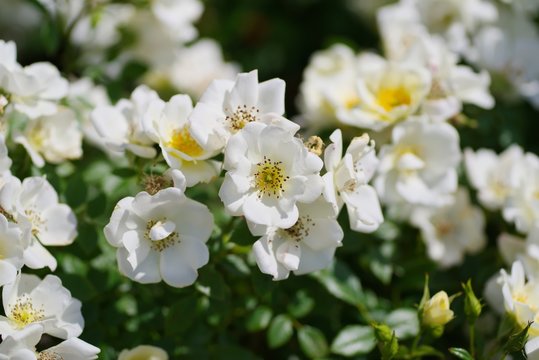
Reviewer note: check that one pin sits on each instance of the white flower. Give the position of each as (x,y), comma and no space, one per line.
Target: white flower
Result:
(522,205)
(494,49)
(178,16)
(83,97)
(307,246)
(22,346)
(227,106)
(347,178)
(451,231)
(121,125)
(161,28)
(454,19)
(54,138)
(329,83)
(419,167)
(197,65)
(493,176)
(452,84)
(387,92)
(166,124)
(33,206)
(29,300)
(34,89)
(521,297)
(269,170)
(160,237)
(5,162)
(513,248)
(11,251)
(143,352)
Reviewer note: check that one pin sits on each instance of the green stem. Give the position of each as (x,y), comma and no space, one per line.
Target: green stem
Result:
(364,312)
(417,339)
(472,339)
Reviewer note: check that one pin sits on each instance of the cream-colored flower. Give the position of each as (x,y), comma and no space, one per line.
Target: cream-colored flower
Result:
(452,231)
(436,311)
(143,352)
(30,300)
(387,93)
(55,138)
(167,124)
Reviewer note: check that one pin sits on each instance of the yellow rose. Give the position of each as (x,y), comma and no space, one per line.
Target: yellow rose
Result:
(436,311)
(143,352)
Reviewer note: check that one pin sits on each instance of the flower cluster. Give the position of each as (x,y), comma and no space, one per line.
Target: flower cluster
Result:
(209,150)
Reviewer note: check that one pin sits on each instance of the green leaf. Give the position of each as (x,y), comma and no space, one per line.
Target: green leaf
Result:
(76,191)
(340,282)
(354,340)
(211,283)
(300,305)
(280,331)
(185,309)
(259,319)
(425,350)
(313,342)
(404,322)
(461,353)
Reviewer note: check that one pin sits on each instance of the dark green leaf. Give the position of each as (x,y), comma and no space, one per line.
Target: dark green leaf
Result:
(354,340)
(461,353)
(341,283)
(313,342)
(259,319)
(280,331)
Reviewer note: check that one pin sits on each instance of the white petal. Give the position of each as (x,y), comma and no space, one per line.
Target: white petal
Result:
(174,270)
(271,96)
(288,254)
(162,230)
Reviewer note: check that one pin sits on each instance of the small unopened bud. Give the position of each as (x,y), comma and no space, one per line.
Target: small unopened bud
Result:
(315,145)
(517,340)
(153,183)
(387,341)
(436,311)
(472,305)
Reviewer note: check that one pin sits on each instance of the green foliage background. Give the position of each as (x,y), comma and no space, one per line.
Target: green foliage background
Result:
(234,311)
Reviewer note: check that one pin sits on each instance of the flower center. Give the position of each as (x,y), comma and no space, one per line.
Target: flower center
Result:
(351,101)
(241,117)
(49,355)
(24,312)
(444,228)
(7,215)
(161,244)
(390,98)
(182,140)
(300,229)
(35,219)
(270,178)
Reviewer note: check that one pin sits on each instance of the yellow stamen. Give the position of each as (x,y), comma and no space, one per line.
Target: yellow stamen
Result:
(390,98)
(183,141)
(270,178)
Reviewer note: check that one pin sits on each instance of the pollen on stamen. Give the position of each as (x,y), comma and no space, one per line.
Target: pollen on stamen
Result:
(300,229)
(269,178)
(49,355)
(24,312)
(162,244)
(241,117)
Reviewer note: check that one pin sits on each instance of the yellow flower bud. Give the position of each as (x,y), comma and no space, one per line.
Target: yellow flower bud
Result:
(436,311)
(143,352)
